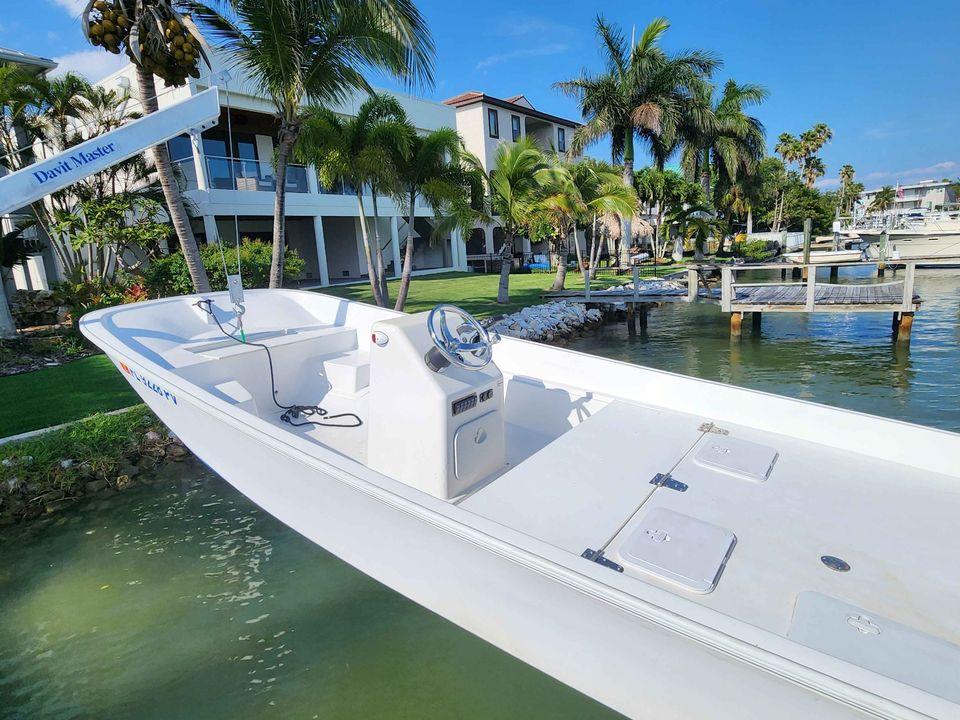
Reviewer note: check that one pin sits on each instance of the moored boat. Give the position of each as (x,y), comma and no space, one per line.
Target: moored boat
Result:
(669,546)
(825,256)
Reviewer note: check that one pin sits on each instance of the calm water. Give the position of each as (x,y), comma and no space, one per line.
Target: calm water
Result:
(183,600)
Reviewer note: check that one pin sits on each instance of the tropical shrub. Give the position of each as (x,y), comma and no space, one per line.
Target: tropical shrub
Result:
(80,296)
(168,275)
(753,250)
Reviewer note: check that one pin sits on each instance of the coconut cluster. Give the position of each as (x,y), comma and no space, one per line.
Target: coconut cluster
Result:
(173,55)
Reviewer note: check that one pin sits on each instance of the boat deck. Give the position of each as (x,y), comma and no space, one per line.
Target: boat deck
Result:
(583,492)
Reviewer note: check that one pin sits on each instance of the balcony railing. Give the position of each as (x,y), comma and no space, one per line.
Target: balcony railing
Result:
(252,175)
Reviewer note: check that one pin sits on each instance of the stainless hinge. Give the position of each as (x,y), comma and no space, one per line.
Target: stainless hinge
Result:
(711,428)
(668,481)
(597,557)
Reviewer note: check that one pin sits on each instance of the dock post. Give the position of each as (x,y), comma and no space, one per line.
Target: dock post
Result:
(896,322)
(693,284)
(904,327)
(642,308)
(909,278)
(797,274)
(834,272)
(736,319)
(882,262)
(755,319)
(631,319)
(811,289)
(783,274)
(726,288)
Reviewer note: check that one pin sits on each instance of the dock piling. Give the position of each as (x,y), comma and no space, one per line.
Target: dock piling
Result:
(904,327)
(756,321)
(736,319)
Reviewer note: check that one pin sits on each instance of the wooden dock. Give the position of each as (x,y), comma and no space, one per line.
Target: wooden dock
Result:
(739,298)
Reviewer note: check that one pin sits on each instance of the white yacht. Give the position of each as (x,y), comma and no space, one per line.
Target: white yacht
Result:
(672,547)
(930,239)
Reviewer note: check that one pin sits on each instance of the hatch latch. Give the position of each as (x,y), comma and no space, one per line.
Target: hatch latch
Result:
(597,557)
(666,480)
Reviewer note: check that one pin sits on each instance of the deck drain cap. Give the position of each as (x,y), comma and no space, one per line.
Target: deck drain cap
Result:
(835,563)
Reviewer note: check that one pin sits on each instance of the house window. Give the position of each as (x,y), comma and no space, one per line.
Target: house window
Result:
(515,126)
(561,139)
(493,123)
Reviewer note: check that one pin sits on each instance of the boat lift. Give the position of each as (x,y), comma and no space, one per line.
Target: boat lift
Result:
(34,182)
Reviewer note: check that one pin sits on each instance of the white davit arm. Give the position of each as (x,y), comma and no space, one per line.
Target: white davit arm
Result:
(26,186)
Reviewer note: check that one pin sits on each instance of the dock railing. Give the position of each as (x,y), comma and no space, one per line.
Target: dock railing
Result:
(729,284)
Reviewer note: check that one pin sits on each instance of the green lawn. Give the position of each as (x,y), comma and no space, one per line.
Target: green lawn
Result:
(57,395)
(42,398)
(474,292)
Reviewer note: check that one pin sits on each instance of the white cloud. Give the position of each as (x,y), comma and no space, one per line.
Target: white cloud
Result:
(550,49)
(74,7)
(94,64)
(828,183)
(933,172)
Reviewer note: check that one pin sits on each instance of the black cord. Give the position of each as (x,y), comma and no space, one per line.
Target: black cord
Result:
(291,412)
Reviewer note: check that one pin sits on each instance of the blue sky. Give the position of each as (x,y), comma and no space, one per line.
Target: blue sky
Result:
(884,75)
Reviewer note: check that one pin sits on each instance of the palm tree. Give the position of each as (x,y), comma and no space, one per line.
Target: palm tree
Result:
(436,170)
(317,50)
(883,200)
(513,189)
(359,152)
(642,93)
(812,141)
(847,174)
(578,193)
(693,222)
(813,168)
(161,42)
(731,141)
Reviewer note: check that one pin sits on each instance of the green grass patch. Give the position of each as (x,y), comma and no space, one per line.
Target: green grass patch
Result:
(477,292)
(59,466)
(60,394)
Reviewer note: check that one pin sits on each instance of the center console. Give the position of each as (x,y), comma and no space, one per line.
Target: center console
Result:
(438,431)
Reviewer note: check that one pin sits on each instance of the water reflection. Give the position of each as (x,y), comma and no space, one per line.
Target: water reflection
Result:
(183,600)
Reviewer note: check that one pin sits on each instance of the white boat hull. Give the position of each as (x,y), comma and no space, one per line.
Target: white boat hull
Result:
(926,247)
(823,257)
(645,653)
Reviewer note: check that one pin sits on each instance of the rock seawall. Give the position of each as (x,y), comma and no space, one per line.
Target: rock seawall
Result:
(552,322)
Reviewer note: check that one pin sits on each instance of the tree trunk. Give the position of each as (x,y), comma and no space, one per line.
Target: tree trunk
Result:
(287,139)
(171,192)
(368,256)
(561,279)
(381,270)
(705,176)
(627,237)
(749,221)
(407,270)
(506,260)
(576,247)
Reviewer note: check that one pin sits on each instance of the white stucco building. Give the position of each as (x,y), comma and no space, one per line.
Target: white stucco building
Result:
(930,195)
(227,174)
(485,123)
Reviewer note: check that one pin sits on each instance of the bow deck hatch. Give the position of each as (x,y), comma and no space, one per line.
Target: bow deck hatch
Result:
(679,548)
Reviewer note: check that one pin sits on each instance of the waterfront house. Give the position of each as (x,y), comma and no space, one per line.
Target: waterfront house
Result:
(486,122)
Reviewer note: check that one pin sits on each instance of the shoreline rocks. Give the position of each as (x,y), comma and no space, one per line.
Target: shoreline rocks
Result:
(552,322)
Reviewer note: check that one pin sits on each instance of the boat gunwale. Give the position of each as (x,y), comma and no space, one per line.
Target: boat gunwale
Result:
(762,649)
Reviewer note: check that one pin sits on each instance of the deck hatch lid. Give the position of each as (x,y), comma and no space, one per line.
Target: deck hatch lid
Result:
(678,548)
(876,643)
(737,457)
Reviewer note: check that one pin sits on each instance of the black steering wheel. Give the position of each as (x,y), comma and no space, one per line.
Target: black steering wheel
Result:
(459,338)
